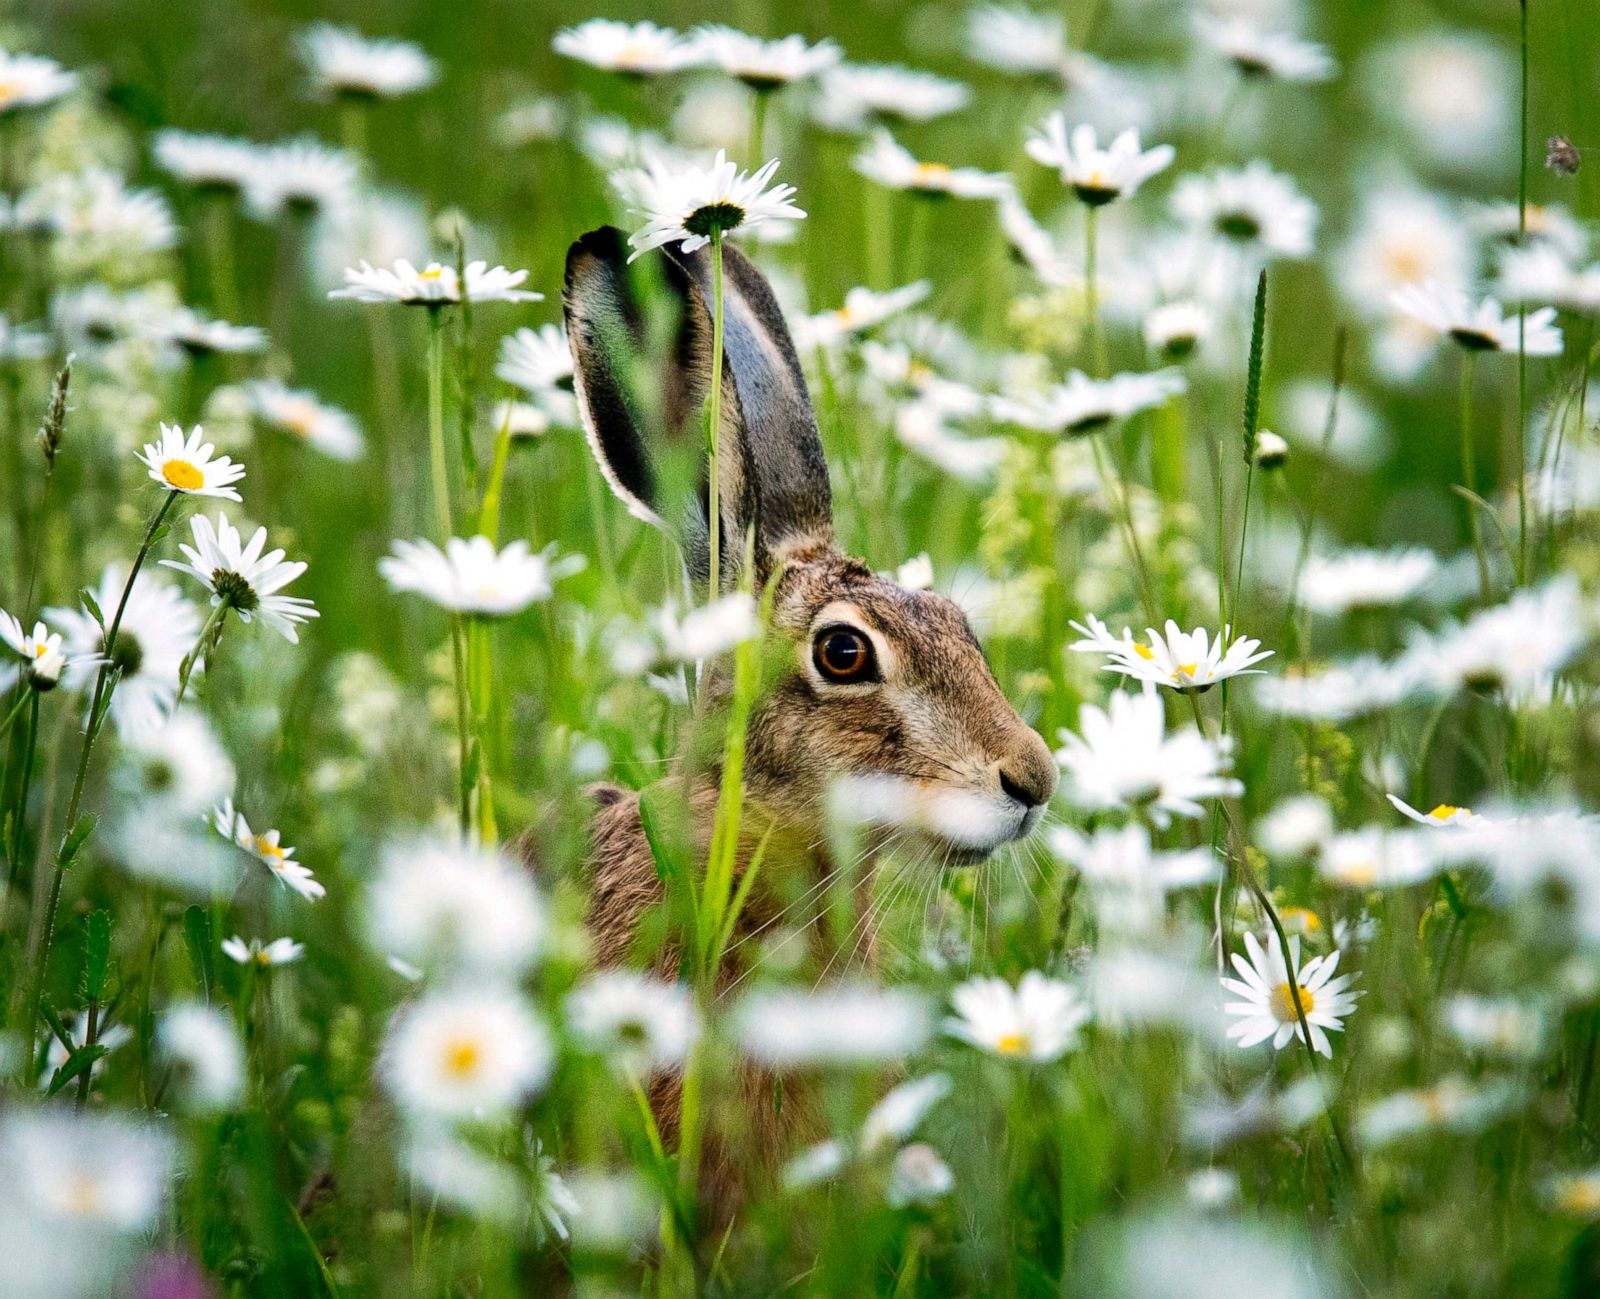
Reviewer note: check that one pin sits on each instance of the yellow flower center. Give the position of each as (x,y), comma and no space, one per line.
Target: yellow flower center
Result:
(462,1057)
(299,418)
(433,271)
(40,649)
(81,1196)
(931,173)
(267,848)
(1579,1195)
(1307,919)
(1444,812)
(1359,874)
(1143,651)
(182,475)
(1406,263)
(1012,1044)
(1283,1003)
(1186,669)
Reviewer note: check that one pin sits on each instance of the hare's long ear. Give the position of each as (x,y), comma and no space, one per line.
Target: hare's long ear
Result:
(642,389)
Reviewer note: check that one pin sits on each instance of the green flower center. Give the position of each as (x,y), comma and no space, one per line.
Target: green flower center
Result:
(1238,225)
(128,656)
(234,591)
(706,220)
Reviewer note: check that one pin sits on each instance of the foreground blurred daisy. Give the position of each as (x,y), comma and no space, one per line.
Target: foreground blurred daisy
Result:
(863,309)
(435,285)
(280,951)
(1252,208)
(1179,659)
(242,578)
(470,576)
(84,1169)
(863,93)
(1038,1020)
(342,61)
(1129,879)
(638,49)
(1097,176)
(1269,987)
(328,429)
(1256,52)
(1124,759)
(1510,647)
(40,652)
(893,167)
(1083,405)
(268,849)
(467,1053)
(762,65)
(1483,327)
(701,633)
(1375,858)
(690,205)
(848,1024)
(536,360)
(1364,579)
(1444,814)
(201,1050)
(641,1024)
(200,336)
(185,464)
(31,81)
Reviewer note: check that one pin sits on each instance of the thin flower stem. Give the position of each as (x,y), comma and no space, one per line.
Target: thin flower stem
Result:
(1522,323)
(1244,532)
(40,959)
(436,460)
(1469,472)
(758,126)
(1122,508)
(1091,291)
(20,813)
(714,435)
(211,628)
(483,710)
(216,222)
(458,663)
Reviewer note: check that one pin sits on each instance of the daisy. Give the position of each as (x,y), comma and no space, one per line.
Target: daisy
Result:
(843,1024)
(177,768)
(762,65)
(1269,993)
(901,1112)
(1540,275)
(922,427)
(467,1053)
(1405,235)
(1296,828)
(208,162)
(301,176)
(1505,1027)
(325,428)
(185,464)
(1128,878)
(200,337)
(1373,858)
(1083,405)
(1444,814)
(637,49)
(43,659)
(918,1176)
(31,81)
(889,164)
(535,360)
(1097,176)
(463,910)
(877,92)
(198,1044)
(435,285)
(641,1024)
(1509,647)
(280,951)
(1339,691)
(1179,659)
(1252,208)
(1447,310)
(1037,1021)
(158,627)
(1365,579)
(1175,329)
(96,218)
(1451,91)
(705,632)
(243,579)
(1256,52)
(471,576)
(687,205)
(1550,226)
(863,309)
(1452,1105)
(267,849)
(342,61)
(1272,451)
(1031,244)
(1014,39)
(77,1169)
(1124,759)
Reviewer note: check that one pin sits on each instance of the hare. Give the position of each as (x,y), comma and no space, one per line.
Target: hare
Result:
(881,681)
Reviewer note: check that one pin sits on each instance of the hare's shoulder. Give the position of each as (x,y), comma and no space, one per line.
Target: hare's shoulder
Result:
(623,880)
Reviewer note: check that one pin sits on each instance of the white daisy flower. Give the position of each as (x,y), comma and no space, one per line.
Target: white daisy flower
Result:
(886,162)
(1269,988)
(243,578)
(704,632)
(1271,450)
(158,628)
(1339,691)
(327,429)
(536,360)
(466,911)
(42,658)
(1179,659)
(1082,405)
(684,205)
(922,427)
(1031,244)
(1097,176)
(1509,647)
(1452,92)
(519,419)
(1365,579)
(1375,858)
(1269,55)
(1037,1021)
(761,64)
(1404,235)
(471,576)
(467,1053)
(901,1112)
(280,951)
(918,1176)
(1175,329)
(96,218)
(1447,310)
(1451,1105)
(863,309)
(83,1169)
(268,849)
(642,1024)
(200,336)
(177,767)
(637,49)
(435,285)
(185,464)
(1444,814)
(846,1024)
(1014,39)
(1252,208)
(1124,759)
(1550,226)
(1542,276)
(1129,879)
(304,176)
(863,93)
(207,162)
(31,81)
(1296,828)
(198,1044)
(342,61)
(1503,1027)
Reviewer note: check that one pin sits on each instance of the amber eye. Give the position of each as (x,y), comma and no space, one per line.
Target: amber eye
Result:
(844,654)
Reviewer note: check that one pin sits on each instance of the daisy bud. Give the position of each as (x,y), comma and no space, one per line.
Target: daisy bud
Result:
(1271,450)
(44,673)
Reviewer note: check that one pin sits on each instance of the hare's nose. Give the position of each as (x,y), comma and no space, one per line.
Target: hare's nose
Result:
(1024,785)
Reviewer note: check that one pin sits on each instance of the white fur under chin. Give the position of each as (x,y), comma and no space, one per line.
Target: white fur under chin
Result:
(972,821)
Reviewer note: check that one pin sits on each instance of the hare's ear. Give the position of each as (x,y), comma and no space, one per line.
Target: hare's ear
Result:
(641,389)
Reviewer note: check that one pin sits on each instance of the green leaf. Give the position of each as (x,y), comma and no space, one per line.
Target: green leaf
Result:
(197,938)
(76,838)
(93,606)
(48,1013)
(158,535)
(96,953)
(1252,386)
(76,1063)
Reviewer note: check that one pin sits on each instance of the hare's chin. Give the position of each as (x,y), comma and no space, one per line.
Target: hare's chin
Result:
(969,854)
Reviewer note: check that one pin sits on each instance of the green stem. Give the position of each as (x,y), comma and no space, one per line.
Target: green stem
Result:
(758,127)
(1091,291)
(1122,509)
(436,460)
(216,223)
(211,628)
(20,815)
(1522,326)
(458,664)
(483,708)
(714,437)
(1469,472)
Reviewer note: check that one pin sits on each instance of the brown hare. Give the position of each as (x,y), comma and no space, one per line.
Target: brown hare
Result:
(881,681)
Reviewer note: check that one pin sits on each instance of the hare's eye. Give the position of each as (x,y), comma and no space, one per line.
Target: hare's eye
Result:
(844,654)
